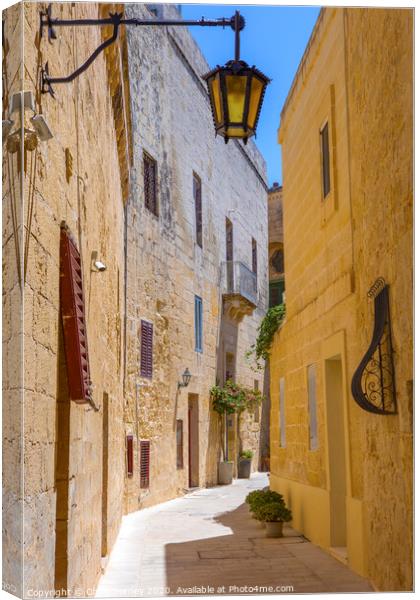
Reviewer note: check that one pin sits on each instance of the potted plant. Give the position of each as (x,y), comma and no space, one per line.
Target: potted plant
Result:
(245,462)
(274,514)
(226,401)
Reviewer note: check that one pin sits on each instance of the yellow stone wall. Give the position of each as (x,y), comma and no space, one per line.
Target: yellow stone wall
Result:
(66,178)
(335,248)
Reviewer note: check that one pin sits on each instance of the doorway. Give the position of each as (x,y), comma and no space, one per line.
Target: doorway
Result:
(193,441)
(336,454)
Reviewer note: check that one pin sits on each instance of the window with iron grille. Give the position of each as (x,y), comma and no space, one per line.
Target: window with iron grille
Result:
(254,257)
(146,349)
(198,210)
(179,444)
(150,183)
(325,157)
(130,455)
(198,324)
(144,464)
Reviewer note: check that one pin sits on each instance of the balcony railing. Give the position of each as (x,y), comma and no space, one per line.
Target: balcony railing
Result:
(239,280)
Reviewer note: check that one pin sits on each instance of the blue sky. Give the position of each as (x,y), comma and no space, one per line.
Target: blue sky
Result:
(274,39)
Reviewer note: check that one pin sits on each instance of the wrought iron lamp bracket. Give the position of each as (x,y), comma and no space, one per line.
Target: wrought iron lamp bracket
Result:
(237,23)
(373,383)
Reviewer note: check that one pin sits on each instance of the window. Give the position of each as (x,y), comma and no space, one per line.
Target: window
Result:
(282,416)
(325,157)
(198,324)
(144,464)
(254,256)
(150,183)
(146,350)
(277,261)
(198,210)
(129,447)
(313,426)
(276,289)
(229,240)
(179,444)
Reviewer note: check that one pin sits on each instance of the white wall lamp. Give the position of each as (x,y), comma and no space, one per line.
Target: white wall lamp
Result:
(97,265)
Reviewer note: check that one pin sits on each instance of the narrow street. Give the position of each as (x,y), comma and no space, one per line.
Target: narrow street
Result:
(207,543)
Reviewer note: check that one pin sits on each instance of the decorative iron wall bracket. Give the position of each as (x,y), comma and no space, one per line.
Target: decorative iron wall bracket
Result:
(373,383)
(237,23)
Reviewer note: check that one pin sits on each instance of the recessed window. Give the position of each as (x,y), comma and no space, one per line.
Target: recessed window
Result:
(277,261)
(198,210)
(282,415)
(198,324)
(257,408)
(150,183)
(313,425)
(325,157)
(146,349)
(276,289)
(254,257)
(229,240)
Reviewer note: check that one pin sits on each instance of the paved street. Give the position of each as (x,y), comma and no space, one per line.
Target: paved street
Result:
(206,542)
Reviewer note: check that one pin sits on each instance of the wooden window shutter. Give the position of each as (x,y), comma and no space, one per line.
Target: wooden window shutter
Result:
(198,211)
(144,464)
(254,257)
(146,350)
(325,151)
(179,444)
(130,455)
(150,183)
(72,305)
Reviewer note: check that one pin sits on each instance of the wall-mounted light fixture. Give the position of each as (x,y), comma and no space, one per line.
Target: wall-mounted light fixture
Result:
(186,377)
(236,90)
(96,264)
(20,102)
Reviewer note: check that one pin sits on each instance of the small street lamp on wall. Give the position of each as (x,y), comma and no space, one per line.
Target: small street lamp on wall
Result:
(236,90)
(186,377)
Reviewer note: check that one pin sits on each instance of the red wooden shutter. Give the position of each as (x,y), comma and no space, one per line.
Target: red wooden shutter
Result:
(130,455)
(146,351)
(198,211)
(72,305)
(144,464)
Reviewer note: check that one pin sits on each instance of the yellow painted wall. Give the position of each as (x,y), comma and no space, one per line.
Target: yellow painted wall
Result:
(329,267)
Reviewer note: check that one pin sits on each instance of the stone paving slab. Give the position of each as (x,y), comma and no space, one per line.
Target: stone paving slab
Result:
(206,543)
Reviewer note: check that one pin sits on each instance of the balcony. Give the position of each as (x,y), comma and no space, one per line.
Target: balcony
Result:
(239,290)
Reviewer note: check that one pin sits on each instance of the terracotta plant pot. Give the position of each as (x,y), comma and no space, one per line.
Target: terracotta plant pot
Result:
(244,468)
(225,472)
(274,530)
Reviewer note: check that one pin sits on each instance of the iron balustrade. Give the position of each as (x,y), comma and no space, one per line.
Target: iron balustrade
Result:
(238,279)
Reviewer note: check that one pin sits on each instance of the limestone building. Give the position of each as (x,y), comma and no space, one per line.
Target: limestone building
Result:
(275,245)
(341,364)
(63,440)
(196,268)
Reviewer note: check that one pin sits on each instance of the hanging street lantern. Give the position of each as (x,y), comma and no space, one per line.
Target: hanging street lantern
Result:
(236,94)
(236,90)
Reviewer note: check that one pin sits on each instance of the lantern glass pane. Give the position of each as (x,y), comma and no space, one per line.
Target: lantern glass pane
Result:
(217,104)
(236,86)
(237,132)
(254,101)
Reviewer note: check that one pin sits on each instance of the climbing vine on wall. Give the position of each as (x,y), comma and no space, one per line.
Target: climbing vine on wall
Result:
(266,331)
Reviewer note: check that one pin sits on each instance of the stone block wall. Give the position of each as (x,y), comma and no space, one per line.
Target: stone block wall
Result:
(73,177)
(379,45)
(166,268)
